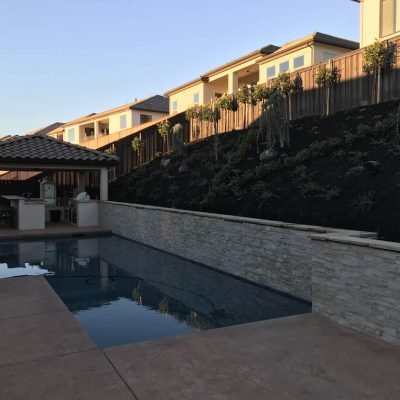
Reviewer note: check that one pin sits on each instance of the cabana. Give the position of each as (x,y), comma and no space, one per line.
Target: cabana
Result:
(46,154)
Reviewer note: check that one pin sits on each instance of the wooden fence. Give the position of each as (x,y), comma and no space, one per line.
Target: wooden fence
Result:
(354,90)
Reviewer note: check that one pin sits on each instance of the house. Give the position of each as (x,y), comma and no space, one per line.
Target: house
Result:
(224,79)
(111,121)
(257,67)
(309,50)
(379,19)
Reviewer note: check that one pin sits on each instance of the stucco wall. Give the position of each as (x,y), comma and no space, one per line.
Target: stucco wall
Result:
(184,98)
(356,282)
(271,253)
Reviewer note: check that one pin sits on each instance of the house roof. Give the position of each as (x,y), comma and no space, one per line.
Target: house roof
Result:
(45,130)
(316,37)
(237,61)
(36,149)
(155,103)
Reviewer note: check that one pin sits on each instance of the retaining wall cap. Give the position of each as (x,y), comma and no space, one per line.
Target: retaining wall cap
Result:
(359,240)
(232,218)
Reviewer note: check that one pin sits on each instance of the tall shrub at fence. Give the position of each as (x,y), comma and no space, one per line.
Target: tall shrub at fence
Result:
(325,79)
(177,139)
(163,130)
(379,58)
(274,124)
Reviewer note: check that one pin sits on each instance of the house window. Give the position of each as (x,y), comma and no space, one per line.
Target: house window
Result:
(144,118)
(175,106)
(122,122)
(271,72)
(71,135)
(284,67)
(388,17)
(327,56)
(196,99)
(298,62)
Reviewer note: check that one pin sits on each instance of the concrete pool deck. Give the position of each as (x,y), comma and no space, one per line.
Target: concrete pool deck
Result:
(44,354)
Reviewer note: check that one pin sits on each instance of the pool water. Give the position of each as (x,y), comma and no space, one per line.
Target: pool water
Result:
(124,292)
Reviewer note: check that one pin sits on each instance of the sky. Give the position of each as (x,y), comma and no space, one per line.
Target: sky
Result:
(61,59)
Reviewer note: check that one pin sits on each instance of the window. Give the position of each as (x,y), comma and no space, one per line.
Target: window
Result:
(298,62)
(122,122)
(217,95)
(196,98)
(271,72)
(388,17)
(71,135)
(284,67)
(144,118)
(327,56)
(174,106)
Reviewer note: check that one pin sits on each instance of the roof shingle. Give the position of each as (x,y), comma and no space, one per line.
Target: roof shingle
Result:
(44,150)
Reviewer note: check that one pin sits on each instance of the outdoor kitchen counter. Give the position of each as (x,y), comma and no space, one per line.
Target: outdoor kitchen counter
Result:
(29,214)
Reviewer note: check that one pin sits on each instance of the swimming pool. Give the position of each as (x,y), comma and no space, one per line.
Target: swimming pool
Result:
(124,292)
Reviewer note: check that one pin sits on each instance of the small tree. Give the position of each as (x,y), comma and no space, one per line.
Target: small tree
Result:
(192,115)
(326,78)
(177,140)
(245,96)
(285,86)
(378,58)
(163,130)
(137,146)
(274,124)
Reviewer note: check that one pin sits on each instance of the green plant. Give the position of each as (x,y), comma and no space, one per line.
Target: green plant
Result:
(111,151)
(192,113)
(326,77)
(177,140)
(274,125)
(163,130)
(364,203)
(227,102)
(378,57)
(284,84)
(262,93)
(137,144)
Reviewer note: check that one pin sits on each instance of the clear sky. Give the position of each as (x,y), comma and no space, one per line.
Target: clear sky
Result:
(60,59)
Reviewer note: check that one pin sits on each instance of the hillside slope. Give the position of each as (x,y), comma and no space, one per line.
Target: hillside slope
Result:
(339,171)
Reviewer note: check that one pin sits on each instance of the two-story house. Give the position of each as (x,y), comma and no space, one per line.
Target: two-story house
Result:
(111,121)
(257,67)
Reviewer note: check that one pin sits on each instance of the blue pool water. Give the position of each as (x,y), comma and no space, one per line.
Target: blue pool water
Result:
(123,292)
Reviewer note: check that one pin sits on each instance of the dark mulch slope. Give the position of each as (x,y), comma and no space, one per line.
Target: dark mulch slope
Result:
(340,171)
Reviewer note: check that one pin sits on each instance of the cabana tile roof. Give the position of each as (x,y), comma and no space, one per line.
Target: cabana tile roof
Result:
(46,150)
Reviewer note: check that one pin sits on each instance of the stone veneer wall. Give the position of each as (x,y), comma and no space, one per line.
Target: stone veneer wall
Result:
(350,278)
(356,282)
(271,253)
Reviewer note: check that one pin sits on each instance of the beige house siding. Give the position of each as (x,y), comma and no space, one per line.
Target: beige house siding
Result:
(371,20)
(185,98)
(313,54)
